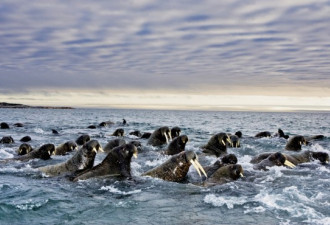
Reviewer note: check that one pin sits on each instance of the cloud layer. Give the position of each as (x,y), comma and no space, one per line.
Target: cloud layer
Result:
(194,46)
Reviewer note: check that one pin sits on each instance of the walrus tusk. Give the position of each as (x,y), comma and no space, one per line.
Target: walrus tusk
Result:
(53,153)
(94,150)
(166,138)
(300,143)
(101,149)
(200,167)
(196,167)
(289,164)
(223,142)
(169,136)
(135,154)
(241,175)
(228,139)
(237,144)
(326,161)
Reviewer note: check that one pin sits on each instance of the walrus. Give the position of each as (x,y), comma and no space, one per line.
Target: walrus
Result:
(18,125)
(303,157)
(106,123)
(118,132)
(25,139)
(280,133)
(116,164)
(227,159)
(235,143)
(136,143)
(82,160)
(263,134)
(294,143)
(24,149)
(81,140)
(265,160)
(239,134)
(176,168)
(175,132)
(91,127)
(113,143)
(44,152)
(160,136)
(177,145)
(224,174)
(136,133)
(4,125)
(217,145)
(7,140)
(124,122)
(54,131)
(146,135)
(66,147)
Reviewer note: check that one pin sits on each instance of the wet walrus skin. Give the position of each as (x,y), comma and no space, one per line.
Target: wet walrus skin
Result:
(176,168)
(217,145)
(83,159)
(117,163)
(265,160)
(177,145)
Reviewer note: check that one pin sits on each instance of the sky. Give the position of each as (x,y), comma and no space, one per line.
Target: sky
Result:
(207,55)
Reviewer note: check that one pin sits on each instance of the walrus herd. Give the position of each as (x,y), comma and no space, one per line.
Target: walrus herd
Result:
(170,141)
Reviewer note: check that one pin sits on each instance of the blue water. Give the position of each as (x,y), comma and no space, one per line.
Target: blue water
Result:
(278,196)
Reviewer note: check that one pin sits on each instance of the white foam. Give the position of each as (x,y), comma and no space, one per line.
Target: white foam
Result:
(229,201)
(322,221)
(4,153)
(287,202)
(114,190)
(258,209)
(30,205)
(155,162)
(38,130)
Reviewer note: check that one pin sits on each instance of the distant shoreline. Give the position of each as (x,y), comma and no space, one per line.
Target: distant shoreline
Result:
(21,106)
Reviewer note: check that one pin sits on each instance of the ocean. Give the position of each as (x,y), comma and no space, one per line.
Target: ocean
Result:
(278,196)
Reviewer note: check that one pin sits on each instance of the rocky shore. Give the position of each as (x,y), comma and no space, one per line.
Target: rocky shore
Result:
(16,106)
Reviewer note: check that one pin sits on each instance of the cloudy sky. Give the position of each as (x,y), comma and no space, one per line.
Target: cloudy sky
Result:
(235,54)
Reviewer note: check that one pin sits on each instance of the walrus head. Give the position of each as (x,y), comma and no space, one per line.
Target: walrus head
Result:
(45,151)
(239,134)
(120,157)
(166,133)
(295,143)
(235,143)
(229,159)
(176,168)
(119,132)
(93,145)
(322,156)
(175,132)
(278,159)
(224,138)
(225,174)
(83,139)
(177,145)
(7,140)
(89,151)
(24,149)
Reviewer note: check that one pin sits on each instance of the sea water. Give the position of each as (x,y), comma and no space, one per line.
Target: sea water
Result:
(278,196)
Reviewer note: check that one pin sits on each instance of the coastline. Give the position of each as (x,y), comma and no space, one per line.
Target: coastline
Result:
(21,106)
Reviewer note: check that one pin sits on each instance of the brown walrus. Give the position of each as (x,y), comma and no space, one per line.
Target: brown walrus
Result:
(83,159)
(176,168)
(117,164)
